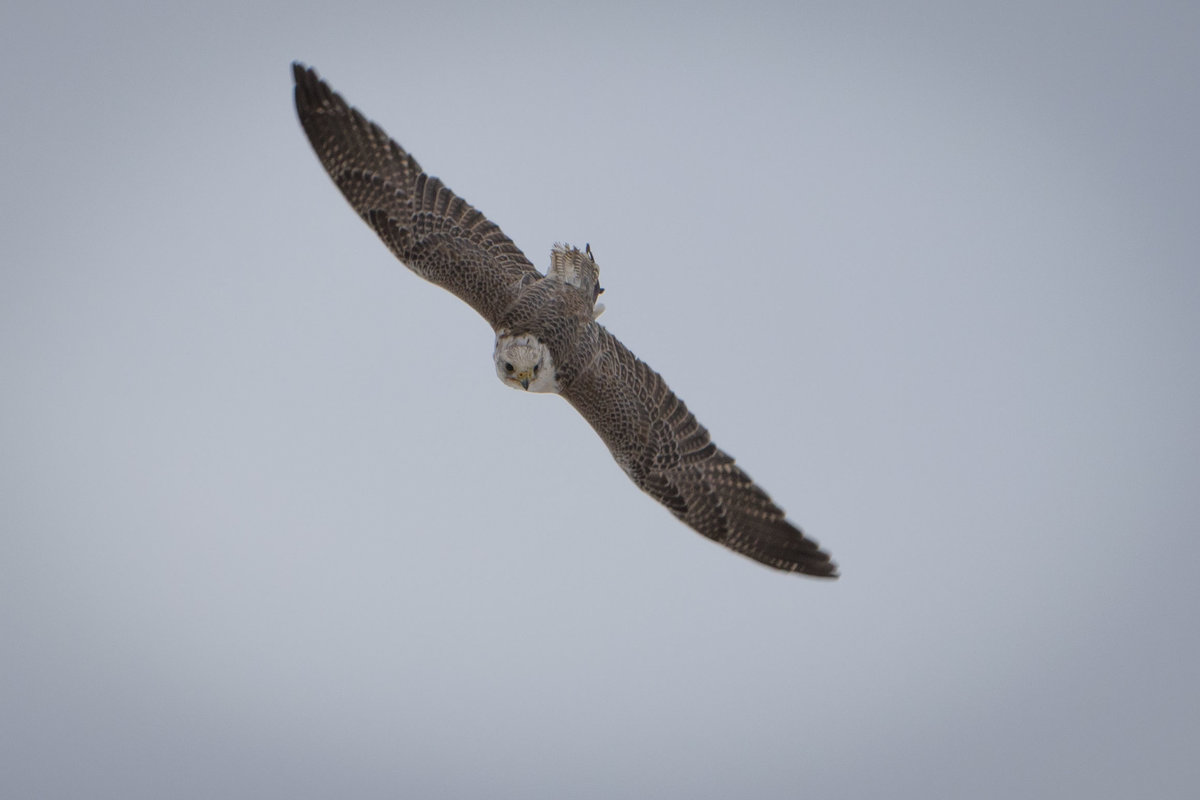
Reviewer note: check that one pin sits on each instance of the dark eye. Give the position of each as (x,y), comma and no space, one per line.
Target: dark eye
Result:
(536,367)
(508,367)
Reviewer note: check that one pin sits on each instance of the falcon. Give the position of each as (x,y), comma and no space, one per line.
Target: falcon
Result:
(547,336)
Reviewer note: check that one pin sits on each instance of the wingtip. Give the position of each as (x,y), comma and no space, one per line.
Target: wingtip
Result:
(830,567)
(818,567)
(306,79)
(311,91)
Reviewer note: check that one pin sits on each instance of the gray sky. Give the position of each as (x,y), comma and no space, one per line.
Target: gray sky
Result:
(270,526)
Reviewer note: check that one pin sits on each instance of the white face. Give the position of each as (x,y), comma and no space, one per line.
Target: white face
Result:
(523,362)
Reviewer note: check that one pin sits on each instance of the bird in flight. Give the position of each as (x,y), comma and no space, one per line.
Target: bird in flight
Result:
(547,336)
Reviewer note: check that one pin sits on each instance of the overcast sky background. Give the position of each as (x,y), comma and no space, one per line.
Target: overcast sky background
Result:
(270,526)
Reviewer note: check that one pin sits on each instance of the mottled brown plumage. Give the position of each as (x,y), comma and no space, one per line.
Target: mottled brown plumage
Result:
(549,321)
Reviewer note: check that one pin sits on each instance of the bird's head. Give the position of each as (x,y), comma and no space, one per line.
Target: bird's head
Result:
(523,362)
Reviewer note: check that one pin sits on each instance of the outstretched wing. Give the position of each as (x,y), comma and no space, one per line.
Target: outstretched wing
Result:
(669,455)
(437,234)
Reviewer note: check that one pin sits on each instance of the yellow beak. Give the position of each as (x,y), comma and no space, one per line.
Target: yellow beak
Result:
(524,378)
